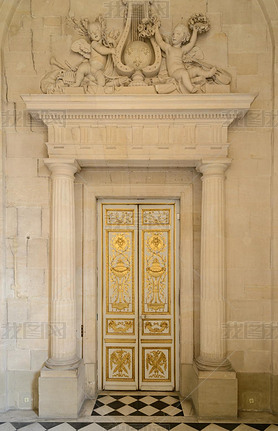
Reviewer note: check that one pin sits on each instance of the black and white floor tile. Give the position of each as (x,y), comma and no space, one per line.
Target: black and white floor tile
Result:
(137,405)
(110,426)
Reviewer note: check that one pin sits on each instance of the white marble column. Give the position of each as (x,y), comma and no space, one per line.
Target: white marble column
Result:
(62,266)
(213,354)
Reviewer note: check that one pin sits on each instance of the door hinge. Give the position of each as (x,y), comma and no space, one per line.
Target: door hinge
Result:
(82,330)
(178,216)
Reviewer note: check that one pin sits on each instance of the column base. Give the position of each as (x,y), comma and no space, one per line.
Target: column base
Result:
(215,393)
(61,392)
(203,365)
(62,365)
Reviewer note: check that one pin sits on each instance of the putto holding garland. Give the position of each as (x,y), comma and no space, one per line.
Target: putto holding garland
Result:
(136,60)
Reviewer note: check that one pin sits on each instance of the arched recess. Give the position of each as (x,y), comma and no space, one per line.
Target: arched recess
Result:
(7,10)
(270,11)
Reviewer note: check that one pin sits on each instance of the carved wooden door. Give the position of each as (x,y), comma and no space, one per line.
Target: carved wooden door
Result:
(138,287)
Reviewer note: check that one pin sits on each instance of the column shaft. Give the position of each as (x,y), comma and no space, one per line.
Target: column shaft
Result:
(63,295)
(213,295)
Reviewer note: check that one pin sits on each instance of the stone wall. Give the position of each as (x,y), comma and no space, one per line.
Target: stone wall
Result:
(240,41)
(248,205)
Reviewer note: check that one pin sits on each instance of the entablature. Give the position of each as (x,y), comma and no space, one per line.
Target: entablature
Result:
(138,130)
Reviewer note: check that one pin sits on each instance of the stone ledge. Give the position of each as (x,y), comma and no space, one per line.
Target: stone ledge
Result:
(221,103)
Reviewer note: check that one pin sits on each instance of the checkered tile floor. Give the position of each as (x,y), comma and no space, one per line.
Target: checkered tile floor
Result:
(85,426)
(137,405)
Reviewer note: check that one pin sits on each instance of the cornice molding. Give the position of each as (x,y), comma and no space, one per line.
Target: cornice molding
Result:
(138,107)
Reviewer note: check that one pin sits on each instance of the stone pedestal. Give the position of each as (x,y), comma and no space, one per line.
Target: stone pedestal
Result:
(215,393)
(61,392)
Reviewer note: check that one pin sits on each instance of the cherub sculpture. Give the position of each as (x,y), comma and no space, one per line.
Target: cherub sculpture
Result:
(96,53)
(181,69)
(176,52)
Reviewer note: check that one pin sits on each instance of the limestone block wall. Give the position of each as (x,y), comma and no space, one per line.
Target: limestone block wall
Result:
(26,215)
(240,40)
(27,235)
(249,202)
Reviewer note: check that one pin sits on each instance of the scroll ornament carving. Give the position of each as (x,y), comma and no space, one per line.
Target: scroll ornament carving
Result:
(156,327)
(138,59)
(120,327)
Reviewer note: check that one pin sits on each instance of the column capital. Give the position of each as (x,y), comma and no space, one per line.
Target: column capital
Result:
(62,167)
(213,167)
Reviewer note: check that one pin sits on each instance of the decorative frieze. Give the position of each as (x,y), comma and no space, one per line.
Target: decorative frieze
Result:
(128,130)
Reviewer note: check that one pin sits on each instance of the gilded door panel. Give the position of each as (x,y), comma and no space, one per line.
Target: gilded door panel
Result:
(157,293)
(120,326)
(138,278)
(120,363)
(120,268)
(156,327)
(156,272)
(156,364)
(120,291)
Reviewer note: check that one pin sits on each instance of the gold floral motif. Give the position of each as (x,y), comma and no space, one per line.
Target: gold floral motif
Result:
(121,326)
(120,363)
(156,363)
(121,243)
(156,327)
(119,217)
(156,217)
(156,243)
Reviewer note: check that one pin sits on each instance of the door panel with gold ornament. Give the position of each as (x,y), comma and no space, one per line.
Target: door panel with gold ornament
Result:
(157,297)
(138,278)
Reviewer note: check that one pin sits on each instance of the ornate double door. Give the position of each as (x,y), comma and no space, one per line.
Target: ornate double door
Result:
(138,296)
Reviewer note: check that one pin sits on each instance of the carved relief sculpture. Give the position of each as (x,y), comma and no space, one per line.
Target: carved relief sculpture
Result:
(96,53)
(136,50)
(136,60)
(175,54)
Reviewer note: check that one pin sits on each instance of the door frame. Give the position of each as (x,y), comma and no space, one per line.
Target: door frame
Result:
(90,192)
(140,201)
